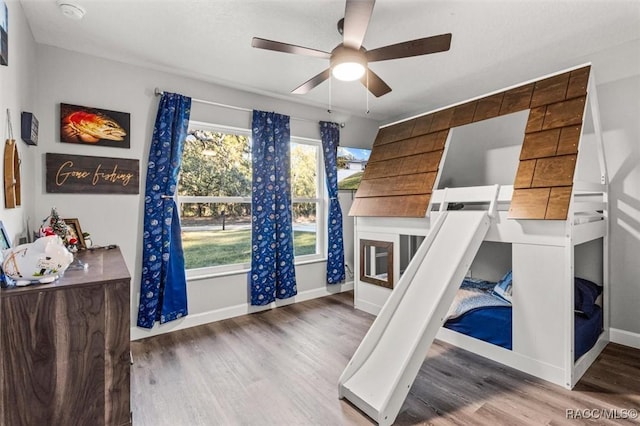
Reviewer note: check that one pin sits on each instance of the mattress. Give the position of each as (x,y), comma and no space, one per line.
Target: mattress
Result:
(493,324)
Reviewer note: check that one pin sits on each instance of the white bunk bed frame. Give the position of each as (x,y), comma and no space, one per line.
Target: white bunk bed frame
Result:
(541,347)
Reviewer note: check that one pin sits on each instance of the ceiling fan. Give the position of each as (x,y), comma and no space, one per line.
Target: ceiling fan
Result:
(349,60)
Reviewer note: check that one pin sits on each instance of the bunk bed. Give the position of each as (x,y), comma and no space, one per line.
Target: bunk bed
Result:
(551,222)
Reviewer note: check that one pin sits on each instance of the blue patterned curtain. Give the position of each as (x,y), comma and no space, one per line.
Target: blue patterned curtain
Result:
(163,290)
(272,270)
(330,135)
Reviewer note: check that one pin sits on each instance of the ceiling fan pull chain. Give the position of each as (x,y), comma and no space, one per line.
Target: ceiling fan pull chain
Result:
(367,92)
(329,110)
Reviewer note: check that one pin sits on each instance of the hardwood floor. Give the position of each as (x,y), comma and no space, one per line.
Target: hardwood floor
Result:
(281,367)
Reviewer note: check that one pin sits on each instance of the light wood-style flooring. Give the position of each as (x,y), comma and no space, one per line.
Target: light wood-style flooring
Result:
(281,367)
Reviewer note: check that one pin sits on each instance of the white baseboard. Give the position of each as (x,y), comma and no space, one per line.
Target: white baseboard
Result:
(624,337)
(193,320)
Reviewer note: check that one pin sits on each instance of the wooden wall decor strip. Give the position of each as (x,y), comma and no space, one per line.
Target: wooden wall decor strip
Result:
(517,99)
(565,113)
(398,206)
(569,140)
(540,144)
(558,205)
(524,175)
(554,171)
(421,183)
(529,203)
(488,107)
(550,90)
(547,159)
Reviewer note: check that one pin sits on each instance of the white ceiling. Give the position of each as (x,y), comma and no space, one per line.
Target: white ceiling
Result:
(496,43)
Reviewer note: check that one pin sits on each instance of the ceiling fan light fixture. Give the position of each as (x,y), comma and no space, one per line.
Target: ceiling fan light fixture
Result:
(348,71)
(348,64)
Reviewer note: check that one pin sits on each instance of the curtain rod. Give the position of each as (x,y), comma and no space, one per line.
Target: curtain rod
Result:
(159,92)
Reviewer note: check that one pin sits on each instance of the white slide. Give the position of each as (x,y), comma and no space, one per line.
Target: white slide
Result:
(383,368)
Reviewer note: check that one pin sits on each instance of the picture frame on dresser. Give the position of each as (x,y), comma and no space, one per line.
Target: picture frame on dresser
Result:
(76,232)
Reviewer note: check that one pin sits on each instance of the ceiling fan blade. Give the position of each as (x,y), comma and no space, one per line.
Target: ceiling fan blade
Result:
(422,46)
(357,14)
(312,82)
(262,43)
(375,84)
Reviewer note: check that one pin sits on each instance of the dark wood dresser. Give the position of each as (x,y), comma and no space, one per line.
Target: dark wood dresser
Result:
(64,347)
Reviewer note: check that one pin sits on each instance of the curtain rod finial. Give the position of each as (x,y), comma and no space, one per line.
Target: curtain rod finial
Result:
(342,125)
(158,92)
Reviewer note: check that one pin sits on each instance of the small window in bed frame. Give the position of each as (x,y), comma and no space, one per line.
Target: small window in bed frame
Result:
(376,262)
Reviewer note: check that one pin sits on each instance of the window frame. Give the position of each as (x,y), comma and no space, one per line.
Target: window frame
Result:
(321,202)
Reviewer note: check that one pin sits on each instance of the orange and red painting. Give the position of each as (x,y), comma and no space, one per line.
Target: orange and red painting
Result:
(93,126)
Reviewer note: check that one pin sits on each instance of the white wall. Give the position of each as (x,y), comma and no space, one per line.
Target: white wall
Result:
(617,73)
(17,93)
(74,78)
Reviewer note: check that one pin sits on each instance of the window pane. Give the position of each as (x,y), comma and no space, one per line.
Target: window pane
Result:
(304,228)
(304,163)
(215,164)
(215,234)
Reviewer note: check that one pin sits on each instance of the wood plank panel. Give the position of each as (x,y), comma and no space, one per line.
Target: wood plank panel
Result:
(517,99)
(419,163)
(554,171)
(463,114)
(565,113)
(397,185)
(569,140)
(431,142)
(393,150)
(383,169)
(558,205)
(395,132)
(536,119)
(578,82)
(397,206)
(529,203)
(540,144)
(524,175)
(488,107)
(550,90)
(422,126)
(441,120)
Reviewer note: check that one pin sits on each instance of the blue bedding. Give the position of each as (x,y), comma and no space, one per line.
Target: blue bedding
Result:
(478,313)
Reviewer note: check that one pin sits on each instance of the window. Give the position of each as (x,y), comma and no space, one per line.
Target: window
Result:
(214,197)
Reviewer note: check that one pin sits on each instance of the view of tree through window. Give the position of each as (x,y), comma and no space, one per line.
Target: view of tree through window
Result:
(214,195)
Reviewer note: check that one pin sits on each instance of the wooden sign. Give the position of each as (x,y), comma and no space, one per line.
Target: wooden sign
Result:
(92,175)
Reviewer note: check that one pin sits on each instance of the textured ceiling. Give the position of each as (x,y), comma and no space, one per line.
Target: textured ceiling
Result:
(495,43)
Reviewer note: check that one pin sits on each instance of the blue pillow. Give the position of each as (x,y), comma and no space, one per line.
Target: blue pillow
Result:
(503,287)
(585,295)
